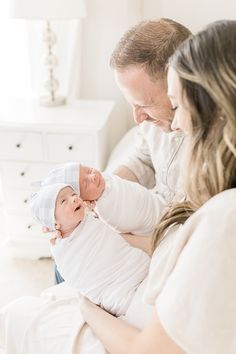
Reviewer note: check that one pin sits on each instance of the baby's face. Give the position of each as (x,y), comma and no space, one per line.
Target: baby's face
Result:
(69,210)
(91,182)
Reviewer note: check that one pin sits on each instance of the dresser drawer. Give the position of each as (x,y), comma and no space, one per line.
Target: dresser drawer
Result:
(62,147)
(26,239)
(17,200)
(24,226)
(22,174)
(17,145)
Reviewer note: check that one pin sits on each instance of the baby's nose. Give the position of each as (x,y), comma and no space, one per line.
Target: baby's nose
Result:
(74,198)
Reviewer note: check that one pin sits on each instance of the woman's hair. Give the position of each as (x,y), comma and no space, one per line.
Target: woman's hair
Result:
(150,44)
(206,66)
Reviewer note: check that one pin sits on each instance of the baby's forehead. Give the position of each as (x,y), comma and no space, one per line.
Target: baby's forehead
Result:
(65,192)
(84,168)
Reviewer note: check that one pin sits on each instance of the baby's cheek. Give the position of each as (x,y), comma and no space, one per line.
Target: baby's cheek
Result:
(87,194)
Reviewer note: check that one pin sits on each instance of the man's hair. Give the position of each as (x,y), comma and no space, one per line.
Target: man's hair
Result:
(150,44)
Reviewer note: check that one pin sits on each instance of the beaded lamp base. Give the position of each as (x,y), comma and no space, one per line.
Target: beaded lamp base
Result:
(49,102)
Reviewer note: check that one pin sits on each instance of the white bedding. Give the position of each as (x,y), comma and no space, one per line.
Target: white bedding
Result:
(42,325)
(53,324)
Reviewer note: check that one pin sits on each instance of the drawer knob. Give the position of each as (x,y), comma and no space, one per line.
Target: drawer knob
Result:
(29,226)
(18,145)
(22,173)
(70,147)
(26,201)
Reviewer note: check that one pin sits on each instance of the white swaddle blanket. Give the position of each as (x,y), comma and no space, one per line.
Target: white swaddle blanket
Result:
(129,207)
(101,265)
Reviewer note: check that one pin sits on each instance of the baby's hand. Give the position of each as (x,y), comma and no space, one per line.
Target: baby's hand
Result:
(55,234)
(90,204)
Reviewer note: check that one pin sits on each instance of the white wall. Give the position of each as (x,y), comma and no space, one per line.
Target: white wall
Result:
(192,13)
(105,23)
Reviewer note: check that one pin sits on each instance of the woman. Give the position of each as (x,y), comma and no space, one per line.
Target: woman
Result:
(192,276)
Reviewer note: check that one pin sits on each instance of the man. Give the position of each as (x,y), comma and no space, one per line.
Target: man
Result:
(139,62)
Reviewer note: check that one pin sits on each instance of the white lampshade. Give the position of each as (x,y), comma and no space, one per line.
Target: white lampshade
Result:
(48,9)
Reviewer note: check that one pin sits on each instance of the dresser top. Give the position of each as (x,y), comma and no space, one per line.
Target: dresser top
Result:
(84,114)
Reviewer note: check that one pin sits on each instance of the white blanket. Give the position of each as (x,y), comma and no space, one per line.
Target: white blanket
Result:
(52,323)
(41,325)
(129,207)
(101,265)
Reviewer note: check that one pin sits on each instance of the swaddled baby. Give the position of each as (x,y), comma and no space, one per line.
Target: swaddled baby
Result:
(124,205)
(91,257)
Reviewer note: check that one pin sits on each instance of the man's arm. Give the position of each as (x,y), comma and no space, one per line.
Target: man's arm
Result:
(137,166)
(142,242)
(125,173)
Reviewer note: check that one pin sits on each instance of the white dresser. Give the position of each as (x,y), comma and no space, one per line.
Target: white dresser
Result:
(33,140)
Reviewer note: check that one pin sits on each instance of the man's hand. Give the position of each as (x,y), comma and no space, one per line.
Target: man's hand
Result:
(142,242)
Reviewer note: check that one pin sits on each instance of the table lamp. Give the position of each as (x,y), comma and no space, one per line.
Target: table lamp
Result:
(49,10)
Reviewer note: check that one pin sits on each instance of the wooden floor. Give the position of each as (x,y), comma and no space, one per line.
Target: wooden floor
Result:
(23,277)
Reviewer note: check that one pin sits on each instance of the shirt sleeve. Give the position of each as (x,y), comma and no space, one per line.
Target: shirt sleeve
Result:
(197,305)
(140,161)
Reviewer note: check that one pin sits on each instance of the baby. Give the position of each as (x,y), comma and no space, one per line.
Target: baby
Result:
(91,257)
(124,205)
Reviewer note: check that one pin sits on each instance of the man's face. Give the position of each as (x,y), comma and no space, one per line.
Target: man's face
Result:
(148,99)
(91,182)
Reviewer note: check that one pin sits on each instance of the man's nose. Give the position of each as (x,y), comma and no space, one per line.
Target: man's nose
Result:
(139,115)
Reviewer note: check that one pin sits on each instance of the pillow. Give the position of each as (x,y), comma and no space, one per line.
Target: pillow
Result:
(124,147)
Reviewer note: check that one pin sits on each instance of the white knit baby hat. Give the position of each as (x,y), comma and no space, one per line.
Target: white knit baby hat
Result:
(67,173)
(43,204)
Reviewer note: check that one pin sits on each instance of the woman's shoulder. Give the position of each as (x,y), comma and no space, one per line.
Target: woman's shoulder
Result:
(210,230)
(220,200)
(215,216)
(219,208)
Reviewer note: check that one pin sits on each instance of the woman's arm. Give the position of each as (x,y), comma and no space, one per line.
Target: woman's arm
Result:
(118,337)
(142,242)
